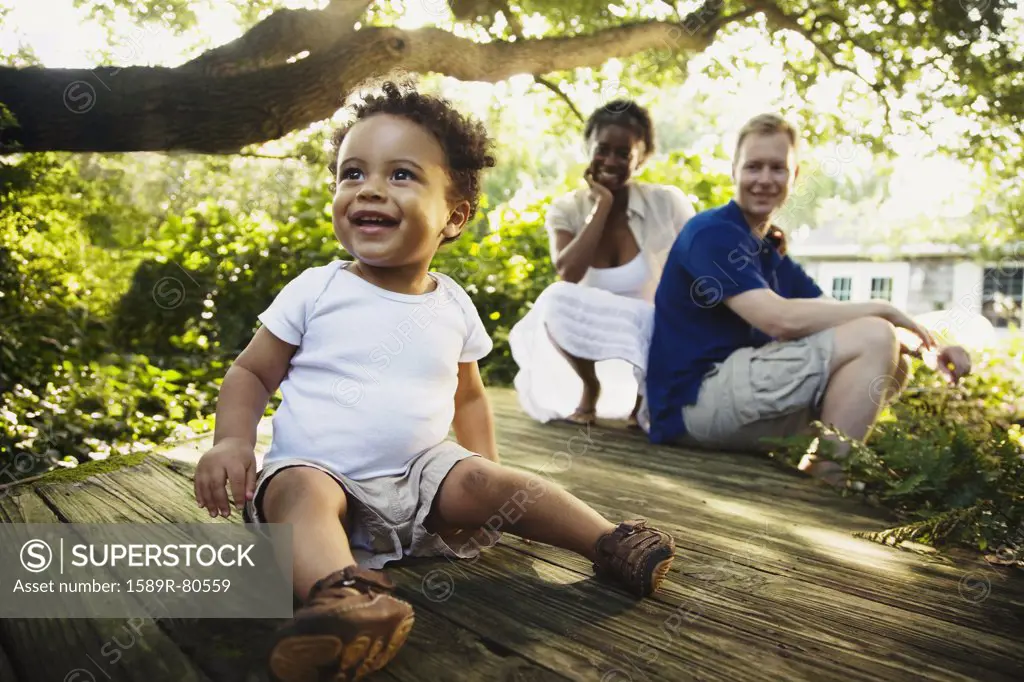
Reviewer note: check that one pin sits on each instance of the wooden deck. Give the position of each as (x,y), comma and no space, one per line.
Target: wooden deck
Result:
(768,584)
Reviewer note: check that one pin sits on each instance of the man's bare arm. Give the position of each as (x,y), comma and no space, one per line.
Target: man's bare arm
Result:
(795,318)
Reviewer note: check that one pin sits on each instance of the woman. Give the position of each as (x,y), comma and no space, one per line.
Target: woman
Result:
(609,242)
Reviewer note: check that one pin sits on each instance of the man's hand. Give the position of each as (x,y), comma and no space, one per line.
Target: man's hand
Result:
(229,461)
(900,319)
(954,362)
(907,350)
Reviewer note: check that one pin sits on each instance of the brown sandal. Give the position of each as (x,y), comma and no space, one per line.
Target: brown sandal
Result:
(635,556)
(349,627)
(583,417)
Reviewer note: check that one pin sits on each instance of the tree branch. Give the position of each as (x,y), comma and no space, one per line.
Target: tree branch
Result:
(254,155)
(281,35)
(780,19)
(554,88)
(512,20)
(155,109)
(432,49)
(712,27)
(516,28)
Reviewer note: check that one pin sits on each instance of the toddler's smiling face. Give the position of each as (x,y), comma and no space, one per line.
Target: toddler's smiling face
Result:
(391,205)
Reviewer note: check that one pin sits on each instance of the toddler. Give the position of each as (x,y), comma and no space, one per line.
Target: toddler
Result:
(376,359)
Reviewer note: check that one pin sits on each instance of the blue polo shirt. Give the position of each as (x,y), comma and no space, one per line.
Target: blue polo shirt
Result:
(715,257)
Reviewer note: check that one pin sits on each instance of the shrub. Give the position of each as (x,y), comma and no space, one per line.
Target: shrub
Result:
(948,460)
(66,394)
(504,269)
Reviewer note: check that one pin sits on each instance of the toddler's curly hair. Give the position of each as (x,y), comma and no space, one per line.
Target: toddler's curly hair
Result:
(466,144)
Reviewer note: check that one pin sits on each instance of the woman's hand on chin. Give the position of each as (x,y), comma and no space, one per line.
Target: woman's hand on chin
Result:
(599,192)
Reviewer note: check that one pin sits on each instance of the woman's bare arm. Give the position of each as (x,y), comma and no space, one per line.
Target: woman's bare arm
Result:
(575,253)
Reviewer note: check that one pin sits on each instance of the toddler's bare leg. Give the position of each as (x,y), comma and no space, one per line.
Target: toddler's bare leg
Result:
(314,504)
(479,493)
(352,625)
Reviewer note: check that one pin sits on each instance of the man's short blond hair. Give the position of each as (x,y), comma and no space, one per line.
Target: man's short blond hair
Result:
(766,124)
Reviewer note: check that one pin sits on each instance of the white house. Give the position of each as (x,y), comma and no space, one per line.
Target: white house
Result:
(917,278)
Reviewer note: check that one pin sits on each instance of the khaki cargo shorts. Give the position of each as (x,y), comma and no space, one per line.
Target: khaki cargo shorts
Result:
(386,515)
(773,391)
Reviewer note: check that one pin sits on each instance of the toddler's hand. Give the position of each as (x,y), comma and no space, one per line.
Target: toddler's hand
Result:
(230,461)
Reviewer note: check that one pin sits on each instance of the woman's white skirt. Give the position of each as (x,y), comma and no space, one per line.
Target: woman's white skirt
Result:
(594,324)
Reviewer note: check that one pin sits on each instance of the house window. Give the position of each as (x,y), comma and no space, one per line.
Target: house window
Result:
(881,287)
(1001,295)
(841,288)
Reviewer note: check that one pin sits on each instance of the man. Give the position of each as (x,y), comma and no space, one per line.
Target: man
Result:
(745,346)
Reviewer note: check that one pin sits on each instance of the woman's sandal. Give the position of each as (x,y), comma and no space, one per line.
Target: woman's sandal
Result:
(582,417)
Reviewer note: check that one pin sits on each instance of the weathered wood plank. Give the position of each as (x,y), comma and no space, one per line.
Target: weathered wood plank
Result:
(162,488)
(230,650)
(226,649)
(737,517)
(115,649)
(6,669)
(842,627)
(438,649)
(891,584)
(654,483)
(501,615)
(150,492)
(778,491)
(592,631)
(138,493)
(728,536)
(798,597)
(753,477)
(21,505)
(727,527)
(234,650)
(744,627)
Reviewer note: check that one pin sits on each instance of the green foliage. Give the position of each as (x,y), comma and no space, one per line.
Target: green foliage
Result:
(504,269)
(178,16)
(52,279)
(109,406)
(68,391)
(687,171)
(214,272)
(949,460)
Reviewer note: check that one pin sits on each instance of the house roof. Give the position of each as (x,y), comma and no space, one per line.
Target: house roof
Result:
(840,239)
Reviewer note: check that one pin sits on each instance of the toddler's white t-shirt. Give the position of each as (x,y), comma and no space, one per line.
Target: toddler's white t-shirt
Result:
(372,383)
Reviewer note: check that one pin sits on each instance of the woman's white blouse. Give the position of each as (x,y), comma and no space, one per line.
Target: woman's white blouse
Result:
(656,215)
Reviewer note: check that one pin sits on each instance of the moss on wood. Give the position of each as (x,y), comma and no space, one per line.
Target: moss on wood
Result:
(93,468)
